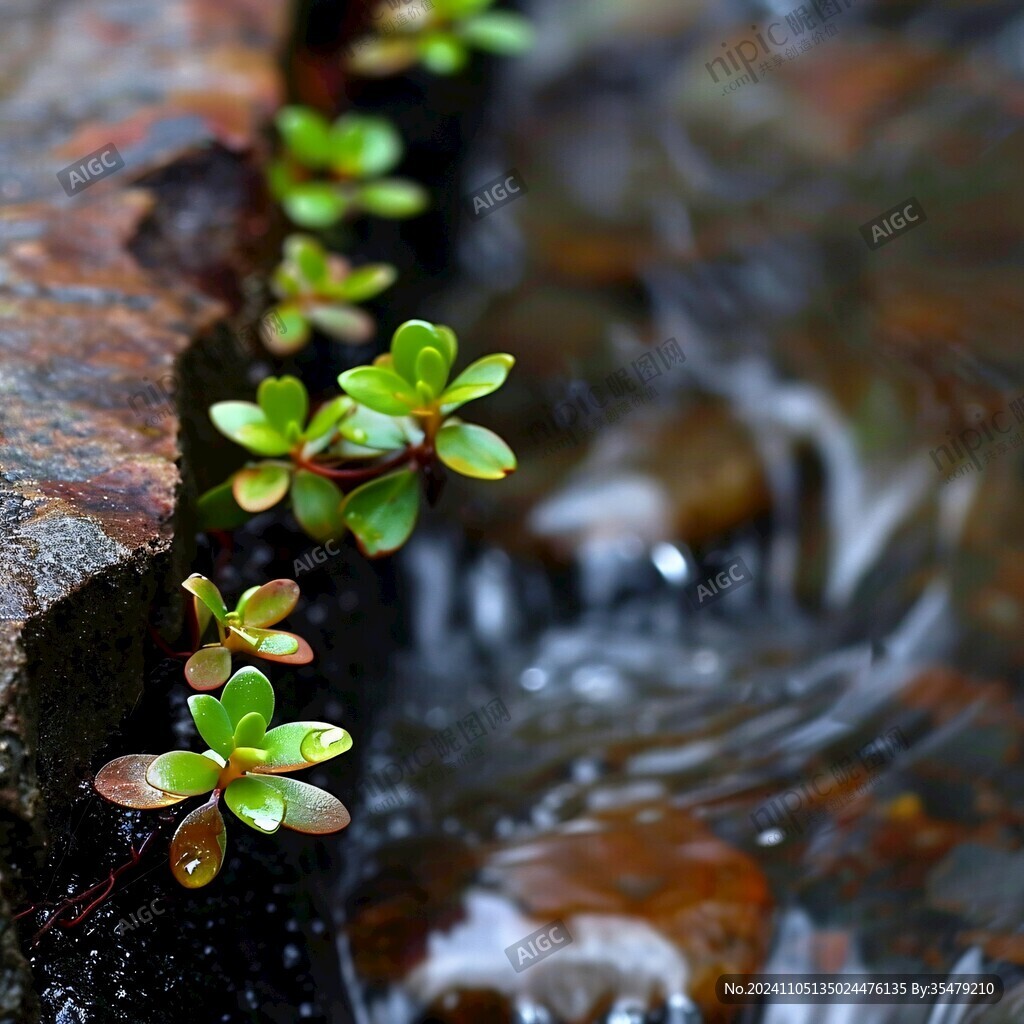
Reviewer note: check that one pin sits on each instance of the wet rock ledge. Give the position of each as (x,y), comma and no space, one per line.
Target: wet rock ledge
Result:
(112,301)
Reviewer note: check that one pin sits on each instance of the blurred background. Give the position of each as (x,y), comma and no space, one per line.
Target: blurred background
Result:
(727,677)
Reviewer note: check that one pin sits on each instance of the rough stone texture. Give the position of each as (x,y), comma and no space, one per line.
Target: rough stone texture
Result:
(101,296)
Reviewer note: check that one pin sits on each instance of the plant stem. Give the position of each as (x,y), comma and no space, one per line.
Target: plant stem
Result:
(358,476)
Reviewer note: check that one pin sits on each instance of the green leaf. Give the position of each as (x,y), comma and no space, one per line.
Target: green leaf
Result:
(291,337)
(396,198)
(123,782)
(315,204)
(308,808)
(250,730)
(343,323)
(248,690)
(461,8)
(212,722)
(364,147)
(326,418)
(208,593)
(380,389)
(184,773)
(377,432)
(230,417)
(412,337)
(197,847)
(306,135)
(208,668)
(299,744)
(273,643)
(271,603)
(474,451)
(501,32)
(218,509)
(443,53)
(316,502)
(308,255)
(260,806)
(258,488)
(263,440)
(379,56)
(382,513)
(285,402)
(244,600)
(365,282)
(431,372)
(478,379)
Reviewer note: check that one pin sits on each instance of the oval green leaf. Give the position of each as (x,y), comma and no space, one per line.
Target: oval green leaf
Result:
(478,379)
(365,282)
(502,32)
(343,323)
(123,782)
(230,417)
(285,402)
(300,744)
(326,418)
(183,772)
(363,147)
(250,731)
(443,53)
(395,198)
(271,603)
(382,513)
(262,439)
(248,690)
(308,255)
(314,205)
(207,592)
(212,722)
(218,509)
(260,806)
(316,502)
(197,847)
(307,808)
(411,338)
(475,451)
(306,134)
(431,372)
(258,488)
(292,334)
(380,389)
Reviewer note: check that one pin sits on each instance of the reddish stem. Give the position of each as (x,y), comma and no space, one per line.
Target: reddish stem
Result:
(107,885)
(357,476)
(155,636)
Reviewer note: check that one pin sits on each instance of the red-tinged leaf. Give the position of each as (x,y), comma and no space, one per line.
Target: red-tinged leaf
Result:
(197,848)
(123,782)
(302,656)
(208,668)
(270,604)
(308,808)
(260,806)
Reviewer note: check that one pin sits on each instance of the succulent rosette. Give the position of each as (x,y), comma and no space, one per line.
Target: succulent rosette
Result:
(242,765)
(242,631)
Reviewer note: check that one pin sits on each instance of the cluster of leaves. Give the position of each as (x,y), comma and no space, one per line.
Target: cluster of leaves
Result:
(318,289)
(332,171)
(439,34)
(242,765)
(242,631)
(356,463)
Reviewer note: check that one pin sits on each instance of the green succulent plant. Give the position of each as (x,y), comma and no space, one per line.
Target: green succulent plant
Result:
(440,34)
(242,764)
(333,171)
(242,631)
(318,289)
(356,464)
